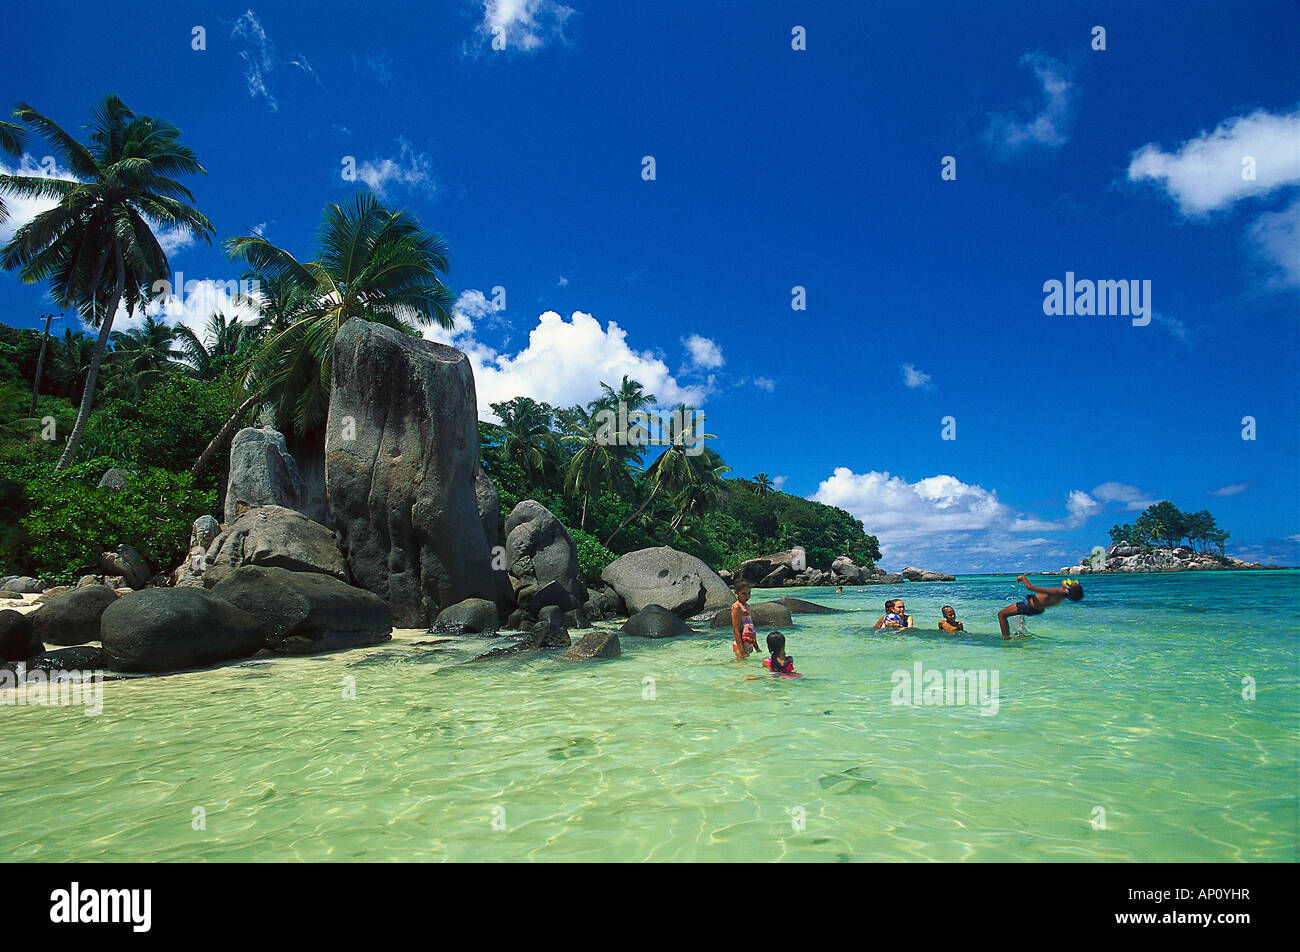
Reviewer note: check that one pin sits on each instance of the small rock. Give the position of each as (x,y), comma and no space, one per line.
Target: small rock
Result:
(597,643)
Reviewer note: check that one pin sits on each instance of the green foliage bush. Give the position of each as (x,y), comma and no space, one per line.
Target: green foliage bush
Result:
(593,558)
(63,521)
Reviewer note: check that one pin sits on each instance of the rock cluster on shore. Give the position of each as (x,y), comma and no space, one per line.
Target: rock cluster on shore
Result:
(408,536)
(1125,558)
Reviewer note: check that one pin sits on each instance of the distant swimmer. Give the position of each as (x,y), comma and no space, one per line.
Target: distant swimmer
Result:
(949,620)
(1038,600)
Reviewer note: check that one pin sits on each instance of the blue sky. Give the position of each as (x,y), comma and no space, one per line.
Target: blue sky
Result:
(776,168)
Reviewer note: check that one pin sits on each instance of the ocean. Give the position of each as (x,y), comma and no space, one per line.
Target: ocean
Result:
(1156,720)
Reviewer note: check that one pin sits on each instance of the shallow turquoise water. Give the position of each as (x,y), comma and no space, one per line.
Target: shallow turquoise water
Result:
(1129,703)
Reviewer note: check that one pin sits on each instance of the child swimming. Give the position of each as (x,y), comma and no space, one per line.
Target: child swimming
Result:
(1038,600)
(778,662)
(949,620)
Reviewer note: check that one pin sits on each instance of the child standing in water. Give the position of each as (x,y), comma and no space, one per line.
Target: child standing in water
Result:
(949,621)
(742,624)
(1037,600)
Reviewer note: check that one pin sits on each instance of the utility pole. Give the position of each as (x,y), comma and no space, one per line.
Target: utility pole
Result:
(40,361)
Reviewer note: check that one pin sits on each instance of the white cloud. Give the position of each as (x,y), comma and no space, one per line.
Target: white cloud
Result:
(526,25)
(942,522)
(200,298)
(778,482)
(564,362)
(914,378)
(1173,325)
(1206,173)
(408,168)
(22,210)
(1276,236)
(1008,133)
(765,383)
(1230,490)
(1130,497)
(704,353)
(258,56)
(896,510)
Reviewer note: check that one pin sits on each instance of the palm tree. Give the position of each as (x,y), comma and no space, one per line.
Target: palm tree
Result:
(597,463)
(702,488)
(371,263)
(675,470)
(12,139)
(525,434)
(146,351)
(97,247)
(762,484)
(632,395)
(226,345)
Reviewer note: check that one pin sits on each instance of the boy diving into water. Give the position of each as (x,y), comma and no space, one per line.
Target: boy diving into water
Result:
(1037,600)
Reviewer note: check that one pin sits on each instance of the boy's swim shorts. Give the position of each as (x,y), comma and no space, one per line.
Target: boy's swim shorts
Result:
(1028,605)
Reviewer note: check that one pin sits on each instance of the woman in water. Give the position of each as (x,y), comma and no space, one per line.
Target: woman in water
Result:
(742,624)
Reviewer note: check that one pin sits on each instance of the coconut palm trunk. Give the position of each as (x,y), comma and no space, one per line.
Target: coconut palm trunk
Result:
(624,524)
(101,345)
(227,431)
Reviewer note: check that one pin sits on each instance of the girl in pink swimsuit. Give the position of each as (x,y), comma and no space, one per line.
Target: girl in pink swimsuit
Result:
(742,624)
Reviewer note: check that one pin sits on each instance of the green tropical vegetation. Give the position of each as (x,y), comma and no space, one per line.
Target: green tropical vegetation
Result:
(1167,526)
(160,401)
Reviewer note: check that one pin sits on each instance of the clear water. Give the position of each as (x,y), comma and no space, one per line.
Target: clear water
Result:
(1130,703)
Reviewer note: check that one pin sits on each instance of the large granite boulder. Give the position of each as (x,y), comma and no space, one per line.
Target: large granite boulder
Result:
(597,643)
(847,572)
(799,606)
(488,501)
(262,473)
(18,641)
(22,584)
(755,570)
(765,615)
(925,575)
(163,629)
(402,473)
(654,621)
(471,616)
(274,537)
(306,612)
(777,577)
(72,618)
(542,555)
(663,576)
(126,562)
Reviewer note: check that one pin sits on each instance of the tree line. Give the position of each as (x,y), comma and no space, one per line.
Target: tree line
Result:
(1164,524)
(162,401)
